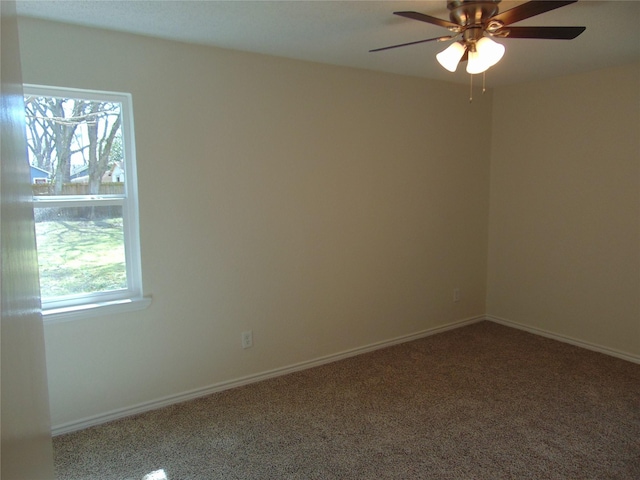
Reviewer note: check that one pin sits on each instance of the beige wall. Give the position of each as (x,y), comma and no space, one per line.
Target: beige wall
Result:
(25,422)
(324,208)
(564,243)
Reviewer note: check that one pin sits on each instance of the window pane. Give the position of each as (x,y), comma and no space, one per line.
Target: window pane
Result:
(80,250)
(75,146)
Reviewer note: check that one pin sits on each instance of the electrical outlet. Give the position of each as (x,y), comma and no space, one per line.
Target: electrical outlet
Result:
(247,339)
(456,295)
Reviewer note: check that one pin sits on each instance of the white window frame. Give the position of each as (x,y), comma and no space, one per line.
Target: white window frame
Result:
(102,303)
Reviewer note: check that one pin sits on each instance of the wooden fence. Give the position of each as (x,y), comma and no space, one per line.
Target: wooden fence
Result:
(110,188)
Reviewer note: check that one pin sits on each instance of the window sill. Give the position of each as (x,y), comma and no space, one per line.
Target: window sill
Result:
(66,314)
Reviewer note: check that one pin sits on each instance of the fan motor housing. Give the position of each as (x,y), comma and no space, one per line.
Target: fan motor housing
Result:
(472,12)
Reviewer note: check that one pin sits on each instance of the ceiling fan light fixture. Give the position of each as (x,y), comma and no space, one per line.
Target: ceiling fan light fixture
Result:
(450,56)
(473,24)
(487,53)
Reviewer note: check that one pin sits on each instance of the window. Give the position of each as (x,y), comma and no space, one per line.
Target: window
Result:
(82,158)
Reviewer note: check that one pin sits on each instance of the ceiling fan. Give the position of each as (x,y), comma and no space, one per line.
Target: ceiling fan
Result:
(473,23)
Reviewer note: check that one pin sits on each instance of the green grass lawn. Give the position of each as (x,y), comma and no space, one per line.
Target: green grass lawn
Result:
(80,256)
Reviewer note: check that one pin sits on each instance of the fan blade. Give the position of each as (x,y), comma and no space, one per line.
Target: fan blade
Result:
(529,9)
(439,39)
(551,33)
(429,19)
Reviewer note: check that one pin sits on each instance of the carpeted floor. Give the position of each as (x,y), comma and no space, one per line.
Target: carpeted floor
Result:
(480,402)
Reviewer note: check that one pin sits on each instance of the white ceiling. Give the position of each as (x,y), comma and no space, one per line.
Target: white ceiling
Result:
(341,32)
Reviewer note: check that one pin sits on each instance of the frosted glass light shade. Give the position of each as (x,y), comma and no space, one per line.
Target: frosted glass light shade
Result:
(490,51)
(487,54)
(475,64)
(450,56)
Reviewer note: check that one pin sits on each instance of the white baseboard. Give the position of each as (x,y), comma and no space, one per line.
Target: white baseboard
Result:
(562,338)
(218,387)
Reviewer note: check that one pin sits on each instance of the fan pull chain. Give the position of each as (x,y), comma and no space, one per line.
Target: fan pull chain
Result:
(484,85)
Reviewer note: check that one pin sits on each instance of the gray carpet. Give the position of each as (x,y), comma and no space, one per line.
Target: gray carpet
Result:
(480,402)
